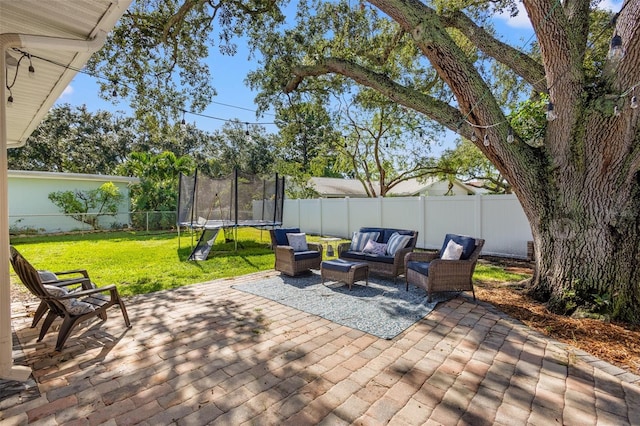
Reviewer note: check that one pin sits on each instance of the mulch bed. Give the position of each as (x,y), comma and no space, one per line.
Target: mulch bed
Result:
(616,343)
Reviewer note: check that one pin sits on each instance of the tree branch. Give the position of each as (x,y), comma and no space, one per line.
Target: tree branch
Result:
(525,66)
(435,109)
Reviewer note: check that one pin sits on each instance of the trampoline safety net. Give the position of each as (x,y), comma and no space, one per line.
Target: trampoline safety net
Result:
(206,203)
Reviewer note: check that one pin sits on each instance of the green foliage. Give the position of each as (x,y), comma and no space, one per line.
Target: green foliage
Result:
(156,54)
(466,162)
(158,187)
(74,140)
(88,206)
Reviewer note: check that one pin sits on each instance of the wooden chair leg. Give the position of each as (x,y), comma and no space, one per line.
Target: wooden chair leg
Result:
(66,328)
(42,309)
(124,313)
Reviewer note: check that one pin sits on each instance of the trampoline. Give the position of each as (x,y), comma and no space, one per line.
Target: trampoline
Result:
(207,205)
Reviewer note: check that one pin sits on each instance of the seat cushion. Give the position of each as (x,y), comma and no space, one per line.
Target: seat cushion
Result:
(303,255)
(337,265)
(352,255)
(420,267)
(73,306)
(281,235)
(468,244)
(378,258)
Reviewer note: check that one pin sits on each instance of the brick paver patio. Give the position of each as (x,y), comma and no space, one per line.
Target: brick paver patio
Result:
(209,354)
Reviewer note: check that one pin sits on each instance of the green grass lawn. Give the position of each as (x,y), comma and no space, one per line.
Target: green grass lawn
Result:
(140,262)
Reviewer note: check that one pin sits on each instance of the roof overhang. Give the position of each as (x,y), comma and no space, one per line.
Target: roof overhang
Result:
(64,34)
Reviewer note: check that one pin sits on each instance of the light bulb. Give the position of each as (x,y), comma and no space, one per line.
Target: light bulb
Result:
(486,140)
(510,137)
(10,101)
(474,137)
(551,114)
(616,52)
(634,102)
(616,111)
(32,70)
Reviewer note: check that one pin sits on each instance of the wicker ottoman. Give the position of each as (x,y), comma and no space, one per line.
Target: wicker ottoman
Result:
(344,271)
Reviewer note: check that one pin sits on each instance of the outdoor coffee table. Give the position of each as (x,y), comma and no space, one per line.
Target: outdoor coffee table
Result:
(344,271)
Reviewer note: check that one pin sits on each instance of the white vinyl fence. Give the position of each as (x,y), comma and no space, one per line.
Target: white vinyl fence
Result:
(499,219)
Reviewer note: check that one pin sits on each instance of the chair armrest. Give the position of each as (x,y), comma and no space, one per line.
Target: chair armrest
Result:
(342,247)
(283,251)
(420,256)
(315,247)
(110,288)
(450,266)
(82,272)
(69,281)
(398,258)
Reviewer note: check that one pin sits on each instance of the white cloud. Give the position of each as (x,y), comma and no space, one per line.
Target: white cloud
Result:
(522,19)
(67,92)
(519,21)
(611,5)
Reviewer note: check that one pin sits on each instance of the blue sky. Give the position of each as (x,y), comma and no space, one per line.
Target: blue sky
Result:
(229,73)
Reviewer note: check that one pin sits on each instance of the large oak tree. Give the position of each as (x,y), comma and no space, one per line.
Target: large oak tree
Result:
(578,182)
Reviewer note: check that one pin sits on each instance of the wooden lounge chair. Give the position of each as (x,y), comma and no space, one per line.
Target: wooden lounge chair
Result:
(434,274)
(73,307)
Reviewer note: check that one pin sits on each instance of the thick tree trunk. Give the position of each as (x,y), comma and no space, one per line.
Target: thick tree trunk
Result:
(586,227)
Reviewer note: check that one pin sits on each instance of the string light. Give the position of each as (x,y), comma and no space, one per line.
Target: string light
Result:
(183,123)
(634,100)
(616,52)
(486,139)
(616,111)
(551,114)
(510,137)
(32,70)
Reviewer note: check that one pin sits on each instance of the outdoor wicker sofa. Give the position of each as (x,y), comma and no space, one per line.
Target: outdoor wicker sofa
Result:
(384,264)
(435,274)
(289,260)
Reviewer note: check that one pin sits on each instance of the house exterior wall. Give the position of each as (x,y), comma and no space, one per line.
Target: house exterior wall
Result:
(31,209)
(499,219)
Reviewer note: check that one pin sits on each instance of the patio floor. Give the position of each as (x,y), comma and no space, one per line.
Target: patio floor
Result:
(209,354)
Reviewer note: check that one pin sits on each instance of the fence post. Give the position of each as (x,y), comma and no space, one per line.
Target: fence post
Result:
(478,216)
(147,221)
(422,211)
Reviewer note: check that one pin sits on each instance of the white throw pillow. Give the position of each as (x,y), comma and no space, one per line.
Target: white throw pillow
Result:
(453,251)
(298,241)
(373,247)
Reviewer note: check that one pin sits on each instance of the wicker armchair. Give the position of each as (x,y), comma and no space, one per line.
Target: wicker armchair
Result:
(429,271)
(289,261)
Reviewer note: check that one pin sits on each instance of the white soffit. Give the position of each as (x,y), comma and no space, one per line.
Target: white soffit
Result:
(69,19)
